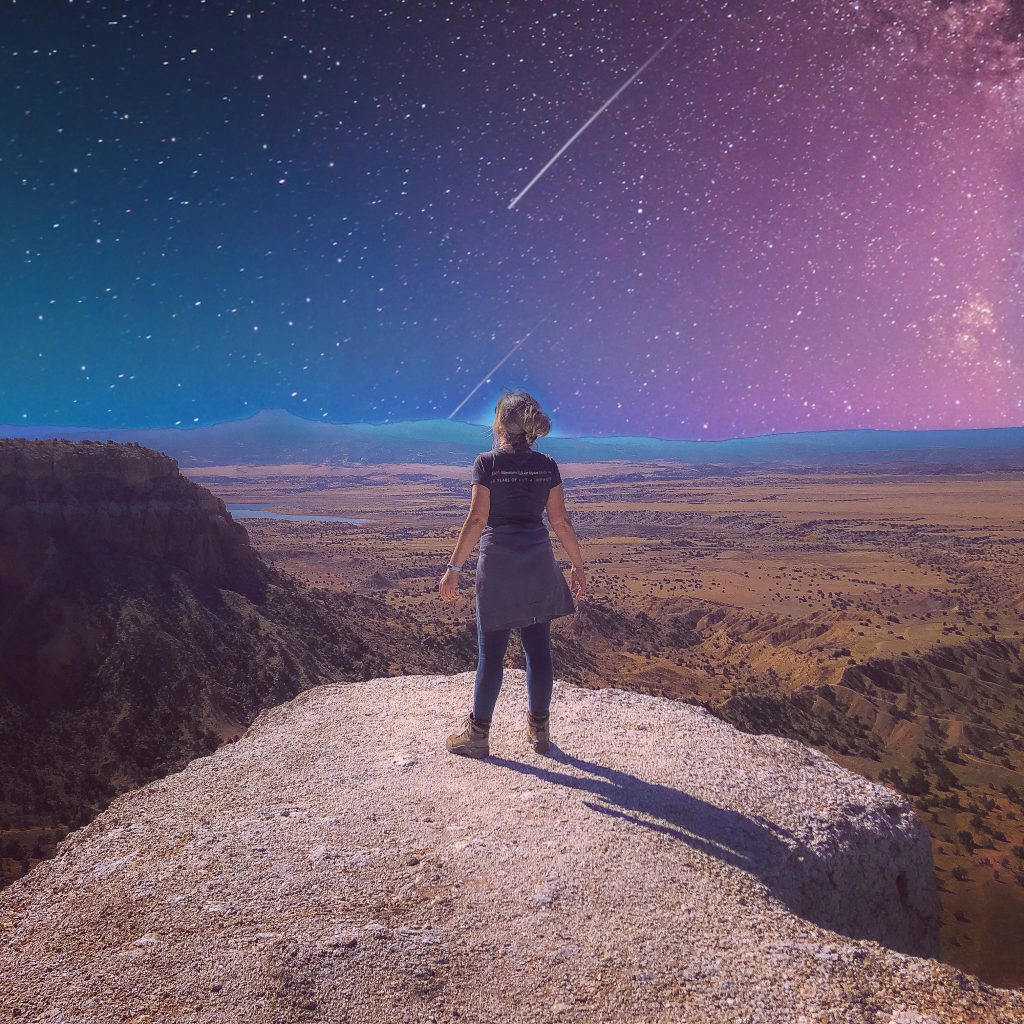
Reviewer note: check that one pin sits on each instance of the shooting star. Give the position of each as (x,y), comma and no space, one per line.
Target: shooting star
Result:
(597,113)
(515,348)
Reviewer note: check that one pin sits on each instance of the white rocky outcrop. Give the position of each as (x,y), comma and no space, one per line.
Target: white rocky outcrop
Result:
(338,864)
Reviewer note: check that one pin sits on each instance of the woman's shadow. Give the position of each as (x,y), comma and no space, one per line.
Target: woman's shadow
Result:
(788,868)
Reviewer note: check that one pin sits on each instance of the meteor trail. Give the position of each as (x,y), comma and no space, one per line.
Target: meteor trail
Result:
(514,348)
(595,115)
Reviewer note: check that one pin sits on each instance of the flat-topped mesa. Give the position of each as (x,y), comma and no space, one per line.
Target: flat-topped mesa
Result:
(338,864)
(103,502)
(138,626)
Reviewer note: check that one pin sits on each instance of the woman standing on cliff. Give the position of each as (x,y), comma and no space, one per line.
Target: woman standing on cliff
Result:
(518,582)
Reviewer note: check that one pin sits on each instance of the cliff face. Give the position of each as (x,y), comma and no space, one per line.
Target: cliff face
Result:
(139,628)
(337,863)
(108,503)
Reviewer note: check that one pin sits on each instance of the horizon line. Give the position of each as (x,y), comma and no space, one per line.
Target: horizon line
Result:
(487,428)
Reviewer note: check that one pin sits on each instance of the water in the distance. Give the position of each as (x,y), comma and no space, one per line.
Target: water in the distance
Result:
(260,512)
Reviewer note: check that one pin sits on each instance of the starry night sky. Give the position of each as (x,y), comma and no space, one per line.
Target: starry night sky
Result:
(802,215)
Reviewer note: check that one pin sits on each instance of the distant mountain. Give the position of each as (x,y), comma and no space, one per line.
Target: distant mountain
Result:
(277,437)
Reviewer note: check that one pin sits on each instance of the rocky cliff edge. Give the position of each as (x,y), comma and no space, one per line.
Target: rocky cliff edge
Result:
(337,864)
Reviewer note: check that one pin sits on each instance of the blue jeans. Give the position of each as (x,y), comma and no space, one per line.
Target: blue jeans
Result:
(536,640)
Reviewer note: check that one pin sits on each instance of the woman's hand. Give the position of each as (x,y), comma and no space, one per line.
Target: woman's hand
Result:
(577,581)
(449,586)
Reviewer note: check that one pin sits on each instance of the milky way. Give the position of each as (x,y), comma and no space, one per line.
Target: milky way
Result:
(803,215)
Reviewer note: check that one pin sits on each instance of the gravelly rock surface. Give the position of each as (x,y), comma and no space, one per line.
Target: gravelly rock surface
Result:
(338,864)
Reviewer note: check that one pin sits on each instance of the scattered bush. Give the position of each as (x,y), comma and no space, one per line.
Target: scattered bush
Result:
(967,839)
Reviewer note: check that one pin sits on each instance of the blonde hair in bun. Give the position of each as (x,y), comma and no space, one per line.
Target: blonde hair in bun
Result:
(519,418)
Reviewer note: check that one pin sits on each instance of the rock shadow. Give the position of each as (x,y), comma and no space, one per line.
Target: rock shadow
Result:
(806,883)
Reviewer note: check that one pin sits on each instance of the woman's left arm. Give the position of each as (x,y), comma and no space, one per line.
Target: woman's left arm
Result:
(476,520)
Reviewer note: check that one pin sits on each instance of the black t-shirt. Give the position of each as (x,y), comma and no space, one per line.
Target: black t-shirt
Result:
(519,482)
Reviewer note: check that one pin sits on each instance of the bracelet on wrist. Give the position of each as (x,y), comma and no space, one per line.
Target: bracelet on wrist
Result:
(456,568)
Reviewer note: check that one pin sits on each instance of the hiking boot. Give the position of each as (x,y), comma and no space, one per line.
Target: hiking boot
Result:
(537,732)
(472,741)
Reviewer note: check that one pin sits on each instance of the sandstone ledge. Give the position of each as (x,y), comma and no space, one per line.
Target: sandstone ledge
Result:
(338,864)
